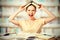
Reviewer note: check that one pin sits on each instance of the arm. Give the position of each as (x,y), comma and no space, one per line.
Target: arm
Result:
(51,16)
(12,17)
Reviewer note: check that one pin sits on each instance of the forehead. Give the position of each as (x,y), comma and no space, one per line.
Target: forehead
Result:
(31,7)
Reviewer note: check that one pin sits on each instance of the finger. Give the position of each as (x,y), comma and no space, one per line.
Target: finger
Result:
(39,5)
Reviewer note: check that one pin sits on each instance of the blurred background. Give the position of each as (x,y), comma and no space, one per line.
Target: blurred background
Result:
(9,7)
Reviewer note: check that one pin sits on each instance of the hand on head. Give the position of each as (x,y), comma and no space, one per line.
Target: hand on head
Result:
(22,7)
(40,6)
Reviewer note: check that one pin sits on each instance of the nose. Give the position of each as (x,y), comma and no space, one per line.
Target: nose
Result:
(31,12)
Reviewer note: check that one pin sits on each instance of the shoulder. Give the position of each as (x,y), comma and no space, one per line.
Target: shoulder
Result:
(41,20)
(22,21)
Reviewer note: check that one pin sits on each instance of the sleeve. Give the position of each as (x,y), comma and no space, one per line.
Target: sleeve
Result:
(43,21)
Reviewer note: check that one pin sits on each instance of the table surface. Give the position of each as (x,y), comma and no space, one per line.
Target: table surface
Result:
(26,35)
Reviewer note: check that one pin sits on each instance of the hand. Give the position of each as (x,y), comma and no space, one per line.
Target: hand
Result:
(40,6)
(22,8)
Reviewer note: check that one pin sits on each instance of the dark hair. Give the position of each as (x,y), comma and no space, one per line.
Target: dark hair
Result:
(30,5)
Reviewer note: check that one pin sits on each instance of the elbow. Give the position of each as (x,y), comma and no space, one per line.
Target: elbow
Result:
(10,20)
(54,18)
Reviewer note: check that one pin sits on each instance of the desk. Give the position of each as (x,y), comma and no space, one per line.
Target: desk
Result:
(25,36)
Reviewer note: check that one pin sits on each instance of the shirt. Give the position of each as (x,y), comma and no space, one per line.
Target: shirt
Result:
(32,26)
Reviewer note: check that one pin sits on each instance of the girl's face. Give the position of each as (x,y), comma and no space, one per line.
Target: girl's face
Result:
(31,10)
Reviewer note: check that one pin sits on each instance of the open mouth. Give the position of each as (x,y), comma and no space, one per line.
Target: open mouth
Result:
(30,14)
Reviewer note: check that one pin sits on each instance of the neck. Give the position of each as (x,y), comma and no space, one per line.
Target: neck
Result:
(32,18)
